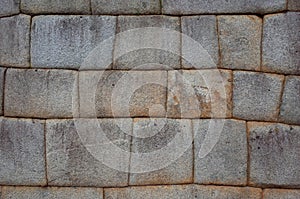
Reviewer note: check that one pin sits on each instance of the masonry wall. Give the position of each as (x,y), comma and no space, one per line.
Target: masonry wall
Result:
(221,78)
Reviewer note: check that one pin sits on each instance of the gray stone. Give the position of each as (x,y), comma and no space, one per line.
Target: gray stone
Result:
(126,7)
(2,72)
(14,37)
(22,152)
(9,7)
(199,94)
(77,153)
(40,93)
(178,7)
(51,193)
(67,41)
(240,41)
(281,194)
(290,106)
(256,96)
(294,5)
(55,6)
(226,163)
(200,30)
(274,155)
(147,42)
(280,47)
(161,152)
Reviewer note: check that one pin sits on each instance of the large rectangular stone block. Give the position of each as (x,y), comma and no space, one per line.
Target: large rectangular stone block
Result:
(280,47)
(14,37)
(2,72)
(9,7)
(22,152)
(274,154)
(72,41)
(220,152)
(40,93)
(256,96)
(281,194)
(240,41)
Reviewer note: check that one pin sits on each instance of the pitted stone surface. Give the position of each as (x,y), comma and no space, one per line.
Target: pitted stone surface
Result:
(14,37)
(281,48)
(281,194)
(65,41)
(152,31)
(274,154)
(2,71)
(294,5)
(40,93)
(9,7)
(226,163)
(55,6)
(126,7)
(240,40)
(22,152)
(256,96)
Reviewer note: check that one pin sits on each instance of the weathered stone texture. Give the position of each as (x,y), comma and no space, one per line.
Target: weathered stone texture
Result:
(202,31)
(226,163)
(294,5)
(40,93)
(22,152)
(14,37)
(274,154)
(72,146)
(55,6)
(126,7)
(163,147)
(281,194)
(240,40)
(256,96)
(65,41)
(9,7)
(2,71)
(290,106)
(281,48)
(199,94)
(222,6)
(147,44)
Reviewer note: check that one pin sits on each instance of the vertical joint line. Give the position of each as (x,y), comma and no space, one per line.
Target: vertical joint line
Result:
(114,44)
(261,44)
(281,96)
(45,151)
(248,153)
(219,64)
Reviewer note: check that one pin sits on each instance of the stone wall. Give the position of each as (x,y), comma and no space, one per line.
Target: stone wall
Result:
(150,99)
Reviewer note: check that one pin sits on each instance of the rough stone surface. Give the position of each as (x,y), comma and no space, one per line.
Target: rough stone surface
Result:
(2,71)
(281,194)
(126,7)
(9,7)
(294,5)
(102,94)
(240,40)
(200,30)
(55,6)
(177,7)
(72,146)
(65,41)
(199,93)
(256,96)
(226,163)
(290,106)
(51,193)
(163,146)
(22,152)
(152,46)
(281,48)
(274,154)
(40,93)
(14,38)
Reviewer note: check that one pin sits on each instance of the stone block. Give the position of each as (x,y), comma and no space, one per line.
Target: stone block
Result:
(240,41)
(126,7)
(22,152)
(226,162)
(256,96)
(294,5)
(71,41)
(9,7)
(274,155)
(2,72)
(200,42)
(280,46)
(14,37)
(281,194)
(78,152)
(199,93)
(147,42)
(40,93)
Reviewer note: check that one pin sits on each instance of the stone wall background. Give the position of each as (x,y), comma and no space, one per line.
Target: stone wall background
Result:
(254,45)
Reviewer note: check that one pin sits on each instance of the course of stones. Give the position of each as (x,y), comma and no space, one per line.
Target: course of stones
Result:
(254,46)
